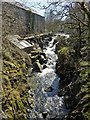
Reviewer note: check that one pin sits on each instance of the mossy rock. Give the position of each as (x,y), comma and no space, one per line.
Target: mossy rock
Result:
(15,83)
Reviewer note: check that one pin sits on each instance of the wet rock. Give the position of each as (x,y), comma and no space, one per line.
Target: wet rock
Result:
(55,41)
(70,101)
(48,38)
(39,56)
(61,92)
(44,114)
(49,89)
(41,45)
(41,59)
(44,66)
(37,67)
(34,58)
(34,53)
(42,53)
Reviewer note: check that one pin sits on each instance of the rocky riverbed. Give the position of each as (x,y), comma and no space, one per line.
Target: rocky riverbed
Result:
(47,103)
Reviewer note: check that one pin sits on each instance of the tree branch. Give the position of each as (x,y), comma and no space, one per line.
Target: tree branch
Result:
(75,17)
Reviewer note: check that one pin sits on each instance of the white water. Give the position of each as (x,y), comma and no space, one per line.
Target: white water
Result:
(48,101)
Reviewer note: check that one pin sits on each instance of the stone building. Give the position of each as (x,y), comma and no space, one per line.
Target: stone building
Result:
(20,20)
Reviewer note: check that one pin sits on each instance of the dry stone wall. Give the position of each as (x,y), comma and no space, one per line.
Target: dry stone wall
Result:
(18,20)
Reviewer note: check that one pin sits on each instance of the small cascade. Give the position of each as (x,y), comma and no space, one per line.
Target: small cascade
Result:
(47,102)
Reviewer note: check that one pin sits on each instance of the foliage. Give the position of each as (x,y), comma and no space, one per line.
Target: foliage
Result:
(64,51)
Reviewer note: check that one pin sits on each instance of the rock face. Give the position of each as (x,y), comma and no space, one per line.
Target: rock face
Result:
(74,84)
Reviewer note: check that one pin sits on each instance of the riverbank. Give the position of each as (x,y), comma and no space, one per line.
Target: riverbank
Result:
(74,71)
(17,96)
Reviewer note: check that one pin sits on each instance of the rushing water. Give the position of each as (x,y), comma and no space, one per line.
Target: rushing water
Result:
(47,101)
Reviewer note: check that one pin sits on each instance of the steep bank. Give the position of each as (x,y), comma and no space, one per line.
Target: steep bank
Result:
(17,97)
(74,71)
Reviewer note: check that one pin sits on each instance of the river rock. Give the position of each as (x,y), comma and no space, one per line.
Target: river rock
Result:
(44,114)
(37,67)
(44,66)
(41,44)
(34,58)
(49,89)
(55,41)
(42,53)
(41,59)
(48,38)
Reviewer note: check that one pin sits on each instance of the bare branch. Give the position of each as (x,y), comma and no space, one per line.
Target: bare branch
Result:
(76,18)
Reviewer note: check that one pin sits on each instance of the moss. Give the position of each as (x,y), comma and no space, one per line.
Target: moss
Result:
(75,74)
(15,83)
(84,63)
(59,38)
(64,51)
(6,55)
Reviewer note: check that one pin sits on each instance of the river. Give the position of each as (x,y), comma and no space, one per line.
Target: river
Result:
(47,102)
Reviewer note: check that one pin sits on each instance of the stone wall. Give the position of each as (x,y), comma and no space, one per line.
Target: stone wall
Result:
(18,20)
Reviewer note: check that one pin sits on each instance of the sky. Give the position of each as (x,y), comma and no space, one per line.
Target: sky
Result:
(33,5)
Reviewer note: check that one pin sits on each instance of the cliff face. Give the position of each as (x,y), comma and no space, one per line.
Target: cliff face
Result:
(74,71)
